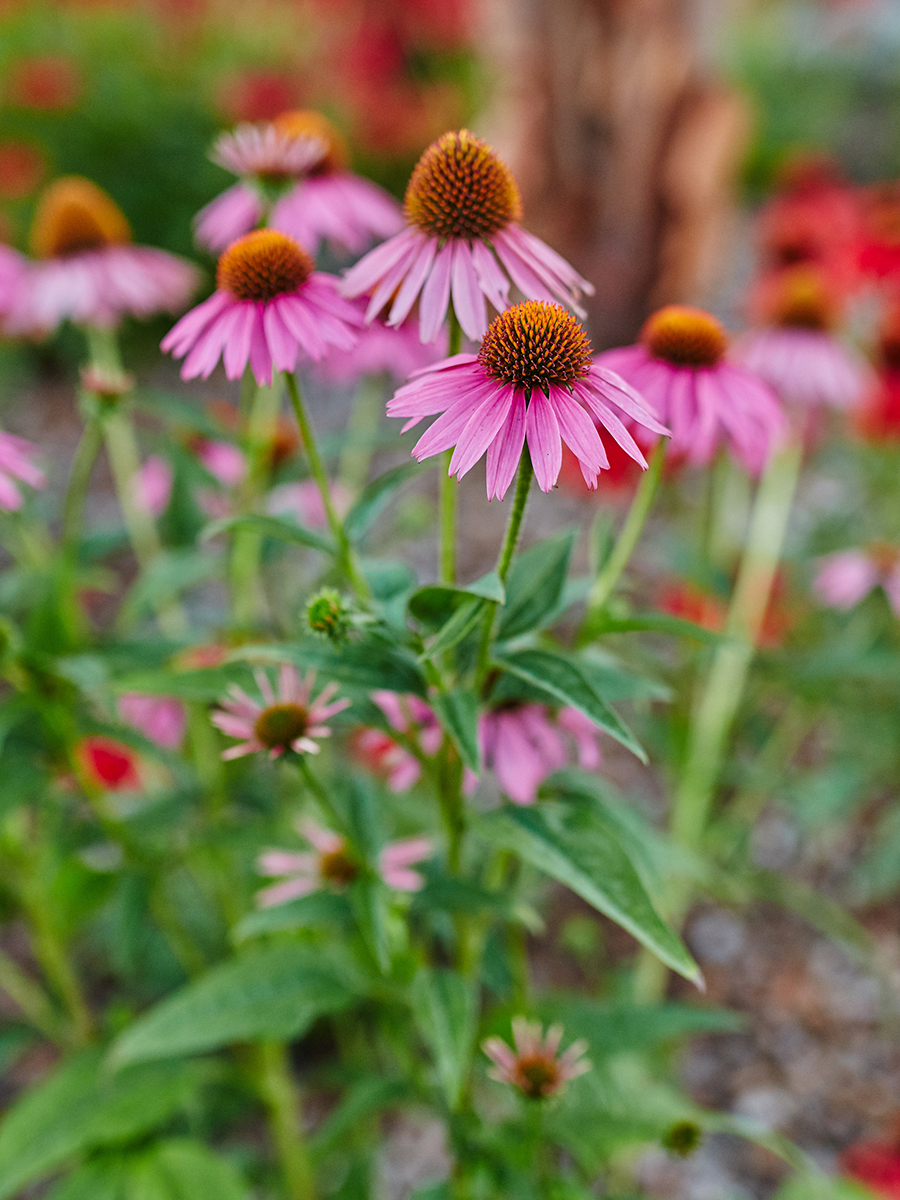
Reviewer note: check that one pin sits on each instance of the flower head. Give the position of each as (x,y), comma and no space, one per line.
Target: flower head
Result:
(271,309)
(523,744)
(679,366)
(303,500)
(152,486)
(289,720)
(86,268)
(162,719)
(462,209)
(382,350)
(334,864)
(16,467)
(535,1067)
(533,380)
(847,577)
(108,764)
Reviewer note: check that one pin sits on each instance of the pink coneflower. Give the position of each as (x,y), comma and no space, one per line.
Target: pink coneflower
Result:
(304,501)
(290,720)
(224,462)
(271,309)
(796,353)
(162,719)
(679,367)
(847,577)
(463,239)
(16,467)
(153,485)
(533,379)
(522,743)
(333,864)
(87,270)
(295,165)
(408,715)
(535,1067)
(382,350)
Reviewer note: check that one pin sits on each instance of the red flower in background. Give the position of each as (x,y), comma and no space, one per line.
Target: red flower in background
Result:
(683,599)
(879,418)
(257,96)
(108,764)
(21,169)
(879,253)
(875,1164)
(47,82)
(621,476)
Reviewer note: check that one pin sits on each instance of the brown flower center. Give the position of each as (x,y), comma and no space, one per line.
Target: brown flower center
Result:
(262,265)
(304,123)
(279,725)
(537,1076)
(803,303)
(74,215)
(338,867)
(461,189)
(883,556)
(536,345)
(685,336)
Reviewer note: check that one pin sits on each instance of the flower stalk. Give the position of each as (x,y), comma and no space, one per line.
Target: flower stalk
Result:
(278,1091)
(449,487)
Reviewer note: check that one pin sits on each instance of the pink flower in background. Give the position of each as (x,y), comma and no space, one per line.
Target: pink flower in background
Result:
(16,467)
(162,719)
(462,239)
(288,720)
(535,1067)
(333,864)
(12,273)
(522,743)
(86,270)
(382,350)
(533,380)
(304,501)
(153,485)
(224,461)
(847,577)
(271,310)
(408,715)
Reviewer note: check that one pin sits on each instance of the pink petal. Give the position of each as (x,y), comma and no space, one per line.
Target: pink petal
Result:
(544,442)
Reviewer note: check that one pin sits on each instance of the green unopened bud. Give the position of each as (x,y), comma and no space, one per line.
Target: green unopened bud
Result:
(328,615)
(683,1138)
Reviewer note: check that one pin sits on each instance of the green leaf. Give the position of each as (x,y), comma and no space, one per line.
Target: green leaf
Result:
(80,1106)
(103,1178)
(304,912)
(582,849)
(271,992)
(203,684)
(369,664)
(364,1099)
(169,574)
(435,604)
(446,1010)
(613,681)
(375,497)
(651,622)
(184,1169)
(460,625)
(279,528)
(566,682)
(535,585)
(457,711)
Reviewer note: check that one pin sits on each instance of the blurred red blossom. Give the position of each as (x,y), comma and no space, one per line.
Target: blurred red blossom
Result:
(46,82)
(21,169)
(107,764)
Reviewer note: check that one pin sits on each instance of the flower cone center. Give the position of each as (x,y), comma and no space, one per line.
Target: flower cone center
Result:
(536,345)
(304,123)
(803,303)
(538,1075)
(73,216)
(461,189)
(279,726)
(685,336)
(262,265)
(338,867)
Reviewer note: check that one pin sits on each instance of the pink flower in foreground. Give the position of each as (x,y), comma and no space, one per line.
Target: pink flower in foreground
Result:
(16,467)
(847,577)
(162,719)
(86,269)
(533,379)
(463,239)
(304,501)
(679,367)
(153,485)
(522,743)
(333,864)
(535,1067)
(382,350)
(271,309)
(290,720)
(297,165)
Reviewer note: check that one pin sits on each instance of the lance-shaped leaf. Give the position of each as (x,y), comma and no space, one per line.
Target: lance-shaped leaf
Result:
(436,603)
(446,1011)
(368,664)
(457,711)
(375,497)
(535,585)
(280,528)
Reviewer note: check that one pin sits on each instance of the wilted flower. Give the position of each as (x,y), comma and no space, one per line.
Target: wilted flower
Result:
(679,367)
(522,743)
(16,467)
(333,864)
(162,719)
(271,309)
(108,764)
(86,268)
(463,239)
(847,577)
(290,720)
(533,379)
(535,1067)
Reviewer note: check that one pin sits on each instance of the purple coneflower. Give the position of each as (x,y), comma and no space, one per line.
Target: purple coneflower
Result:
(535,1067)
(463,239)
(381,350)
(16,467)
(296,163)
(86,268)
(271,309)
(522,743)
(303,500)
(162,719)
(153,485)
(290,720)
(533,379)
(848,576)
(679,367)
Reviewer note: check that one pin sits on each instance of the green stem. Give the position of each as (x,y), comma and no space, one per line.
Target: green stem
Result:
(246,549)
(52,955)
(721,696)
(79,477)
(278,1092)
(513,528)
(448,486)
(362,431)
(611,572)
(30,997)
(317,468)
